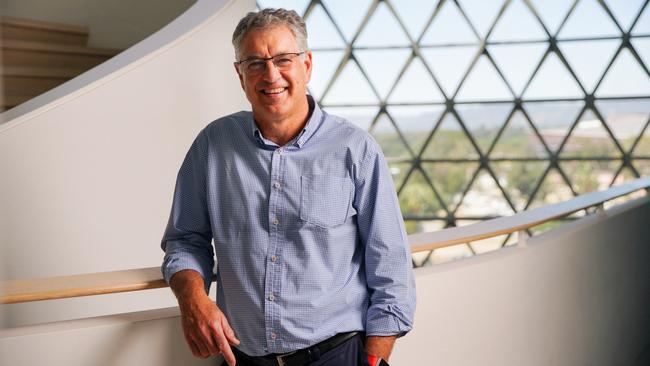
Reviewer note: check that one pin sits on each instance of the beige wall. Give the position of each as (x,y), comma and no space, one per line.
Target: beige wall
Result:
(88,169)
(577,295)
(114,23)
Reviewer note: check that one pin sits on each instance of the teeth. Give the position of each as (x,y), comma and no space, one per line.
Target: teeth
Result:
(274,91)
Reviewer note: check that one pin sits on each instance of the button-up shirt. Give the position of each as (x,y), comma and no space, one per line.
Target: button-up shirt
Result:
(308,236)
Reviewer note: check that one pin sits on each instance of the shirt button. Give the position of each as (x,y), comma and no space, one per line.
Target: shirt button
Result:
(274,336)
(279,151)
(276,221)
(274,258)
(276,185)
(271,297)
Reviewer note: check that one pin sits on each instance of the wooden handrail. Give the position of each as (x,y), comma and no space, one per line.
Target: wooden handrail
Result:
(17,291)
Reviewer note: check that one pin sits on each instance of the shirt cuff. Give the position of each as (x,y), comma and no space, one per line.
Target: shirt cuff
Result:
(180,261)
(387,320)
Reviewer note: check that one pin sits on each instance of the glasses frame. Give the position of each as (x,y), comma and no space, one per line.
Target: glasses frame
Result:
(273,59)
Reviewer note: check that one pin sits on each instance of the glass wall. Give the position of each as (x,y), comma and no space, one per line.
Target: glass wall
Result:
(486,108)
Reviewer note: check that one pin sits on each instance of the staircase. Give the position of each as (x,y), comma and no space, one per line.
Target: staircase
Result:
(38,56)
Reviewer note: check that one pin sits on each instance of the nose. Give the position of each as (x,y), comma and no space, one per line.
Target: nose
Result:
(271,72)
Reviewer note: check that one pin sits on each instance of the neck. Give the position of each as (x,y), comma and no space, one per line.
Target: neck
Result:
(283,129)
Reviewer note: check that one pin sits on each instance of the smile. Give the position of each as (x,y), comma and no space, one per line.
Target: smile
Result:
(273,91)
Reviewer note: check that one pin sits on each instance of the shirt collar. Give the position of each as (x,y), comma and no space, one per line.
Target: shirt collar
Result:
(313,122)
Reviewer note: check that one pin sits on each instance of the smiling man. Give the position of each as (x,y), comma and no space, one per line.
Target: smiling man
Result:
(313,262)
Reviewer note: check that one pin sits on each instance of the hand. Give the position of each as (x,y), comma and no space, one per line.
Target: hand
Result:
(380,346)
(205,326)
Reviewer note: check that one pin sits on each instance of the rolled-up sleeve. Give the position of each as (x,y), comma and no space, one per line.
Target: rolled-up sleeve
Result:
(187,240)
(389,272)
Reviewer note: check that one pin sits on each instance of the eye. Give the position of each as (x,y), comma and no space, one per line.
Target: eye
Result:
(255,65)
(283,61)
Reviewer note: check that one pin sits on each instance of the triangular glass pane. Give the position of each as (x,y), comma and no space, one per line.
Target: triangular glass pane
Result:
(449,254)
(589,19)
(517,24)
(590,175)
(642,148)
(449,64)
(624,78)
(553,81)
(322,33)
(642,166)
(552,190)
(387,137)
(416,122)
(414,14)
(417,198)
(415,86)
(450,142)
(552,12)
(484,121)
(398,172)
(625,118)
(348,14)
(519,179)
(483,83)
(382,66)
(448,27)
(517,62)
(589,139)
(298,5)
(350,88)
(642,47)
(450,179)
(518,140)
(481,13)
(382,30)
(553,119)
(484,198)
(624,176)
(325,63)
(362,117)
(625,11)
(642,25)
(588,59)
(487,245)
(422,226)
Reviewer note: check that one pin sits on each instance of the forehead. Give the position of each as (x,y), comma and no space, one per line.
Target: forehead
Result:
(268,41)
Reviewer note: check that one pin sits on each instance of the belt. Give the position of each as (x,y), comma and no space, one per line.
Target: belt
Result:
(300,357)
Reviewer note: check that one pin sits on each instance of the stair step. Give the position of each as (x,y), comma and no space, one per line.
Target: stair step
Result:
(27,53)
(42,72)
(20,85)
(40,31)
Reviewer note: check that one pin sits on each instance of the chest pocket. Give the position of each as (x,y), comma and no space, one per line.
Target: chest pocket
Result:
(325,200)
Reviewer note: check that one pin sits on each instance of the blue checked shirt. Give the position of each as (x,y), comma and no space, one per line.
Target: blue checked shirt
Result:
(308,237)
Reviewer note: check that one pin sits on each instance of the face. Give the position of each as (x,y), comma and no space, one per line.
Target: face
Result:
(275,95)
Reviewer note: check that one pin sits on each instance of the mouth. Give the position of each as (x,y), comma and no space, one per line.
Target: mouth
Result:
(273,91)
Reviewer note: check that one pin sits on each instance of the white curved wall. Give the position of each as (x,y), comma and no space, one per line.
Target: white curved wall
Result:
(576,295)
(88,169)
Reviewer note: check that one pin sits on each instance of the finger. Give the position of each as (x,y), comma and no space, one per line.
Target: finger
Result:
(224,347)
(192,345)
(227,330)
(202,348)
(208,340)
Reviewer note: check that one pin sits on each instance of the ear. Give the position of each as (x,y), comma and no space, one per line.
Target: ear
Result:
(239,74)
(308,64)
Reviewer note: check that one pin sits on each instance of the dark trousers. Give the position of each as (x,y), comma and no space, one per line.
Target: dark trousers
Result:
(348,353)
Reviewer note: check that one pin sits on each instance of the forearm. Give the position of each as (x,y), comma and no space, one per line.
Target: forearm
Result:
(380,346)
(187,285)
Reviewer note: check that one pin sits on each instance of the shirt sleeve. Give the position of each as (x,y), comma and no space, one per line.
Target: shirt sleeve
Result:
(187,240)
(388,263)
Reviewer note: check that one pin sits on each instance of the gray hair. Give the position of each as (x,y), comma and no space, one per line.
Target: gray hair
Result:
(267,18)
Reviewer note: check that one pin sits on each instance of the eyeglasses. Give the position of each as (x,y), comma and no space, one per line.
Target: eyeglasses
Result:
(257,65)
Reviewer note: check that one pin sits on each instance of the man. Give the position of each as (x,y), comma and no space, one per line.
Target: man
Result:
(313,263)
